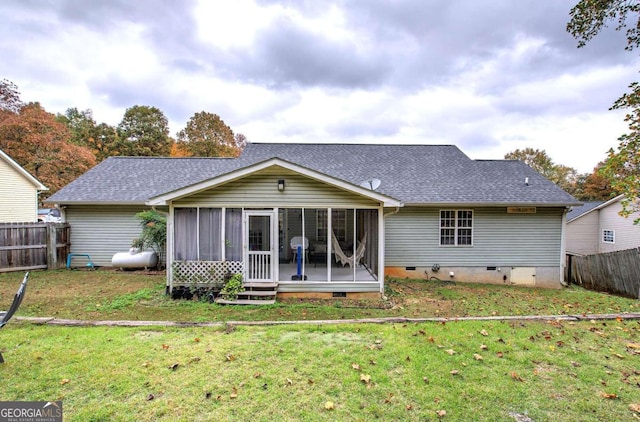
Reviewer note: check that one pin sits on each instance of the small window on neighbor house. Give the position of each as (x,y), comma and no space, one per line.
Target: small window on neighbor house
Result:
(456,227)
(608,236)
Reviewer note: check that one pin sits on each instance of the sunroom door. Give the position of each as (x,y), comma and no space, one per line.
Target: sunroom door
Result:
(259,246)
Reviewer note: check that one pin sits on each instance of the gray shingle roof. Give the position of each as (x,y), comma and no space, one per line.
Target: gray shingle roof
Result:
(577,211)
(413,174)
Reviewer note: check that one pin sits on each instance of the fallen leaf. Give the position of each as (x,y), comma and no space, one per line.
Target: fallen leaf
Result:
(609,396)
(499,354)
(635,407)
(389,398)
(484,333)
(576,364)
(441,413)
(619,356)
(329,405)
(409,407)
(165,347)
(450,351)
(150,397)
(516,377)
(431,339)
(633,345)
(234,393)
(289,382)
(197,340)
(454,372)
(425,380)
(355,366)
(230,357)
(483,347)
(64,381)
(365,378)
(477,356)
(194,359)
(207,395)
(310,381)
(372,362)
(257,375)
(174,366)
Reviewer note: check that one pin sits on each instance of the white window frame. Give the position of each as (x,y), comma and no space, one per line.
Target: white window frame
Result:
(608,236)
(456,227)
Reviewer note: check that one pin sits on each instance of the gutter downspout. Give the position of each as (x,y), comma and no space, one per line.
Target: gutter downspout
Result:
(563,247)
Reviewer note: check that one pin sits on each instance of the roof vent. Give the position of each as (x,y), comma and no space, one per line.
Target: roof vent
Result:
(526,181)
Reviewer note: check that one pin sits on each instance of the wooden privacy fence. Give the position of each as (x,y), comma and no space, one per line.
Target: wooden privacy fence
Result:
(614,272)
(27,246)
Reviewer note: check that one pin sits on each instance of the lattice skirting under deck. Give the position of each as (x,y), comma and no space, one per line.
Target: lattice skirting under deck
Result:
(205,272)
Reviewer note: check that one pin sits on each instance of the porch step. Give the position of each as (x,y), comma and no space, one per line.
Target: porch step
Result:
(260,285)
(254,294)
(258,293)
(245,302)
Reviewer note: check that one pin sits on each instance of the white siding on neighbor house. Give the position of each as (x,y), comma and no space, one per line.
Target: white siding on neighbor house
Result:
(499,239)
(18,196)
(102,231)
(581,234)
(627,234)
(261,190)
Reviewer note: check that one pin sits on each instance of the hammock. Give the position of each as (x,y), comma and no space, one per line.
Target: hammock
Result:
(342,257)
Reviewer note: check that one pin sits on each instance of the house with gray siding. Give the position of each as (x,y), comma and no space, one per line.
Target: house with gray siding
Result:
(598,227)
(328,220)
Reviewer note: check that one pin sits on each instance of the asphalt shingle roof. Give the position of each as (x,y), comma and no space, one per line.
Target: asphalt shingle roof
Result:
(413,174)
(577,211)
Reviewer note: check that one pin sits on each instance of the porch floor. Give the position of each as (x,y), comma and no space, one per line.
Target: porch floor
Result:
(318,272)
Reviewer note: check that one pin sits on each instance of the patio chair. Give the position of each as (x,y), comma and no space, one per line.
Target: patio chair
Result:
(348,259)
(17,300)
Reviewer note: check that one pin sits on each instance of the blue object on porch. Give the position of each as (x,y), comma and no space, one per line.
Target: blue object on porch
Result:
(86,255)
(299,275)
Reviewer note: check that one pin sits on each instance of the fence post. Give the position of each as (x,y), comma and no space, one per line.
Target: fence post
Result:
(52,247)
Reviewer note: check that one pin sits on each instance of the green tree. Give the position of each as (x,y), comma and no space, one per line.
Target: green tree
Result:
(206,135)
(154,233)
(101,139)
(538,160)
(622,168)
(144,131)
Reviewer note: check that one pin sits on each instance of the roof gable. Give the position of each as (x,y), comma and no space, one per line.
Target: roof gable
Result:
(18,168)
(273,162)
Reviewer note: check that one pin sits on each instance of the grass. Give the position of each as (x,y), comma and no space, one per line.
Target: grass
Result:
(116,295)
(472,370)
(462,370)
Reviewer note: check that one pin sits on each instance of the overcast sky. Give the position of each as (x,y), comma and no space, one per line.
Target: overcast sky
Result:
(488,76)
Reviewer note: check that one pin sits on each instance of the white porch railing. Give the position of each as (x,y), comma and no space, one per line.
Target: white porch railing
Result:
(259,267)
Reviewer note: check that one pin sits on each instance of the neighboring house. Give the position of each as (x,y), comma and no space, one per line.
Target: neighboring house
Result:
(18,192)
(598,227)
(418,211)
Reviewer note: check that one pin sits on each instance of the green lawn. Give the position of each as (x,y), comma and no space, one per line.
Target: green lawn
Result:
(472,370)
(458,370)
(113,295)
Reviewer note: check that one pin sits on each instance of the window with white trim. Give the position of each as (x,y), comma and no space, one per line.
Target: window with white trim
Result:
(456,227)
(608,236)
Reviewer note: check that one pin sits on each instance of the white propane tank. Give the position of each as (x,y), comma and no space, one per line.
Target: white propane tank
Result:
(135,259)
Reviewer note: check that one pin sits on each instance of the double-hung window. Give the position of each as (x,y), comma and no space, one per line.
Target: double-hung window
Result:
(456,227)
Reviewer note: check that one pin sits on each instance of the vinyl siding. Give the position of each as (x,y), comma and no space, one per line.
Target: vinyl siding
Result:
(583,234)
(260,190)
(102,231)
(18,196)
(627,234)
(499,239)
